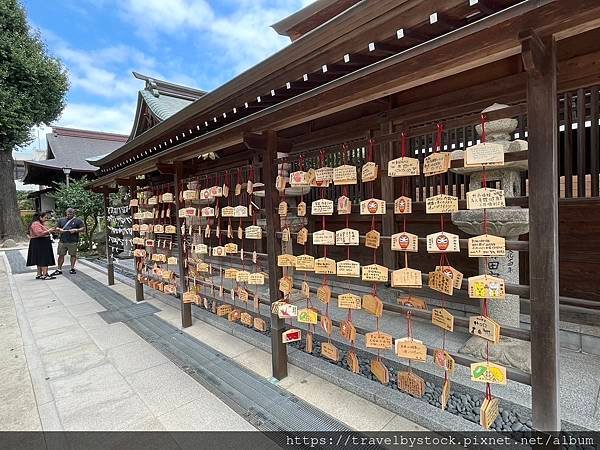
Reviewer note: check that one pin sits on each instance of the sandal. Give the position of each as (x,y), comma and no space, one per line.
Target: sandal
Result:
(72,271)
(48,277)
(56,272)
(38,277)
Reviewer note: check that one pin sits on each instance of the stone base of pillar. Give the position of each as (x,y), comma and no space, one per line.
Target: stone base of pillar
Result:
(508,352)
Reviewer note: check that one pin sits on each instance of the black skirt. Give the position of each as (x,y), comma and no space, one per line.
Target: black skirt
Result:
(40,252)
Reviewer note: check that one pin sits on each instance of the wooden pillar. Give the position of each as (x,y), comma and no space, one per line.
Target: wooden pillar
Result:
(109,257)
(539,58)
(278,349)
(139,287)
(186,308)
(386,153)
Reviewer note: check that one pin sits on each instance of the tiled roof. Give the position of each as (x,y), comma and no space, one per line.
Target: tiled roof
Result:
(162,105)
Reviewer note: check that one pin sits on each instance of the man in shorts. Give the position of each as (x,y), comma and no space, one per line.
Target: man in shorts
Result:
(69,228)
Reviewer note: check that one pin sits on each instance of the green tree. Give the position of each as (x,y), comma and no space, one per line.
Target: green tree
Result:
(87,204)
(32,91)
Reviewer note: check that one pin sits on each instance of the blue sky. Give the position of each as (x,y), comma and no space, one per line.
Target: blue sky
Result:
(199,43)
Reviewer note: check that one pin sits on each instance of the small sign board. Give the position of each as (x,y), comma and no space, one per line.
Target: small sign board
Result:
(347,236)
(486,286)
(372,304)
(323,237)
(321,207)
(440,282)
(443,242)
(325,266)
(485,328)
(372,206)
(487,372)
(348,268)
(403,167)
(486,198)
(375,273)
(403,205)
(405,242)
(379,340)
(487,245)
(349,301)
(441,204)
(412,349)
(411,383)
(436,163)
(442,318)
(407,277)
(484,154)
(345,174)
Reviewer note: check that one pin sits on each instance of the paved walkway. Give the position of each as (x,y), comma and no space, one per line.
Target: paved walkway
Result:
(65,368)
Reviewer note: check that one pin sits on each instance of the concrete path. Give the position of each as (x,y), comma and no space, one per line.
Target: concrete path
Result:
(70,370)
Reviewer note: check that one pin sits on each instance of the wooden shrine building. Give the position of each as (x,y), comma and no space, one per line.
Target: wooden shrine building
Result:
(358,76)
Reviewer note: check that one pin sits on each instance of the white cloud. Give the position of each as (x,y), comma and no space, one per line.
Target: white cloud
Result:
(88,116)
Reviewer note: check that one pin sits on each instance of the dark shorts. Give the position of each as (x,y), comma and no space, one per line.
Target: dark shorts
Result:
(64,247)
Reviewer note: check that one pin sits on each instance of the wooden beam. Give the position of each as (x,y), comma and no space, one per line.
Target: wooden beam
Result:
(139,287)
(539,58)
(278,349)
(109,259)
(186,308)
(386,153)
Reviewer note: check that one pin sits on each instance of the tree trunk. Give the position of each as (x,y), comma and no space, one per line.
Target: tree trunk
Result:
(10,218)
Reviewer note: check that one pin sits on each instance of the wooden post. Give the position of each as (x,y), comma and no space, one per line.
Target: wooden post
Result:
(139,287)
(186,308)
(278,349)
(109,257)
(539,58)
(386,153)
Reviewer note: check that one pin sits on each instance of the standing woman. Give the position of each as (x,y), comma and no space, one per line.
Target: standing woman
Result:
(40,252)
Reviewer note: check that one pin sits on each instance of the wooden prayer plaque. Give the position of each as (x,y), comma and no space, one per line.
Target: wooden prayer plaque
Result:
(305,290)
(260,324)
(372,206)
(224,310)
(321,207)
(405,242)
(443,243)
(486,286)
(484,154)
(190,194)
(253,232)
(403,167)
(380,371)
(344,205)
(172,261)
(372,304)
(139,253)
(170,229)
(230,273)
(153,200)
(442,318)
(208,212)
(225,190)
(347,236)
(286,284)
(407,278)
(457,277)
(280,183)
(486,198)
(292,335)
(443,360)
(218,251)
(167,197)
(234,315)
(240,211)
(250,187)
(324,175)
(368,172)
(243,295)
(378,339)
(308,346)
(135,227)
(185,212)
(302,236)
(324,294)
(348,331)
(403,205)
(326,324)
(411,383)
(343,175)
(189,297)
(301,209)
(282,209)
(348,268)
(256,278)
(441,204)
(411,349)
(246,319)
(436,163)
(488,412)
(330,351)
(287,311)
(325,266)
(487,372)
(323,237)
(240,233)
(286,260)
(158,228)
(487,245)
(445,395)
(149,243)
(133,202)
(298,178)
(352,362)
(238,189)
(276,305)
(485,328)
(231,247)
(438,281)
(308,315)
(216,191)
(205,194)
(375,273)
(372,239)
(305,263)
(349,301)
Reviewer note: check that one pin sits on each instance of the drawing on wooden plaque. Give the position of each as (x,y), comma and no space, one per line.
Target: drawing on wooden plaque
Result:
(348,268)
(411,383)
(405,242)
(486,286)
(487,198)
(407,277)
(487,245)
(485,328)
(344,205)
(380,371)
(487,372)
(234,315)
(372,206)
(298,178)
(403,167)
(436,163)
(442,318)
(403,205)
(291,335)
(442,242)
(287,311)
(484,154)
(308,315)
